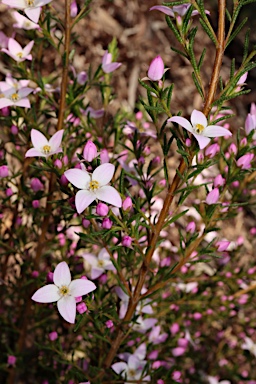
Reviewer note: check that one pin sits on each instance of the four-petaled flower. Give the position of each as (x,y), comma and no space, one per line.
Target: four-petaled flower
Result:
(15,97)
(16,52)
(199,128)
(43,147)
(32,8)
(94,186)
(64,291)
(99,264)
(132,370)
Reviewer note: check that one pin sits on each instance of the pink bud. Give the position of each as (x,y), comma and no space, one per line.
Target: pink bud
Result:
(179,351)
(36,184)
(9,192)
(14,130)
(109,324)
(212,197)
(232,148)
(104,157)
(188,142)
(127,241)
(197,315)
(127,204)
(174,328)
(90,151)
(35,274)
(63,180)
(222,245)
(156,160)
(35,204)
(81,308)
(73,9)
(53,336)
(65,160)
(5,111)
(191,227)
(156,69)
(4,171)
(102,209)
(219,181)
(243,142)
(82,77)
(49,277)
(212,150)
(182,342)
(245,161)
(58,163)
(11,360)
(86,223)
(106,223)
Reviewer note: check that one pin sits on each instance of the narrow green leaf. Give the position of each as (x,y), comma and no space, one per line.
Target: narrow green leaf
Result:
(198,87)
(200,62)
(175,218)
(246,44)
(179,52)
(236,31)
(174,29)
(208,31)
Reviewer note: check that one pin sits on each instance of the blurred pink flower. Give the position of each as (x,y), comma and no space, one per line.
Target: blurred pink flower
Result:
(99,264)
(107,65)
(16,52)
(32,8)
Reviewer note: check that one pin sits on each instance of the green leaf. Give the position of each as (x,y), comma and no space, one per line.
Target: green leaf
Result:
(175,218)
(246,45)
(174,29)
(236,31)
(198,87)
(180,52)
(208,31)
(201,59)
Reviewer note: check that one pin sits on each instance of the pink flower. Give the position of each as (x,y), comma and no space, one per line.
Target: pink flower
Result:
(94,186)
(245,161)
(177,10)
(15,97)
(32,8)
(199,128)
(156,69)
(212,197)
(16,51)
(64,291)
(23,22)
(99,264)
(73,9)
(107,65)
(94,113)
(90,151)
(43,147)
(250,125)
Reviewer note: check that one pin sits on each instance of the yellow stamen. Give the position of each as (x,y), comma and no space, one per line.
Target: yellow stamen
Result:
(1,95)
(46,149)
(30,3)
(199,128)
(19,55)
(100,263)
(15,97)
(64,290)
(94,185)
(131,373)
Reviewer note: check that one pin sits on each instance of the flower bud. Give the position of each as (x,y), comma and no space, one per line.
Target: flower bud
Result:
(245,161)
(58,163)
(219,181)
(82,77)
(9,192)
(232,149)
(109,324)
(53,336)
(14,130)
(63,180)
(5,111)
(73,9)
(65,160)
(81,308)
(102,209)
(212,197)
(127,204)
(35,204)
(86,223)
(191,227)
(212,150)
(36,184)
(188,142)
(106,223)
(127,241)
(222,245)
(90,151)
(4,171)
(11,360)
(104,157)
(156,69)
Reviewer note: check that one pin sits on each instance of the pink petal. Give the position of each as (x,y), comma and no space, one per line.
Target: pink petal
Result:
(61,275)
(47,294)
(111,67)
(20,4)
(104,173)
(182,121)
(55,140)
(216,131)
(109,267)
(103,255)
(5,102)
(33,13)
(120,367)
(78,178)
(24,103)
(80,287)
(34,153)
(134,362)
(23,92)
(14,47)
(96,272)
(27,48)
(164,9)
(91,259)
(107,58)
(202,140)
(67,308)
(198,117)
(156,69)
(83,200)
(38,139)
(109,195)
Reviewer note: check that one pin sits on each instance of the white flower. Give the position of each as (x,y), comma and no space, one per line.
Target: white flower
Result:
(249,345)
(99,264)
(43,147)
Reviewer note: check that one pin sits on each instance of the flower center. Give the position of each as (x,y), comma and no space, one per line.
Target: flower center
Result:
(15,97)
(19,55)
(199,128)
(131,373)
(46,149)
(93,185)
(1,95)
(30,3)
(64,290)
(100,263)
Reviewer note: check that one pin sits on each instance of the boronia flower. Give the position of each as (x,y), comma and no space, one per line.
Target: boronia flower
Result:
(23,22)
(94,186)
(132,370)
(199,128)
(16,52)
(107,65)
(64,291)
(43,147)
(99,264)
(14,97)
(32,8)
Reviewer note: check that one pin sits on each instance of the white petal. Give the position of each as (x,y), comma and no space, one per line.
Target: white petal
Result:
(120,367)
(67,308)
(38,139)
(78,178)
(182,121)
(109,195)
(83,200)
(103,255)
(216,131)
(61,275)
(80,287)
(91,259)
(46,294)
(96,272)
(202,140)
(55,140)
(198,117)
(104,173)
(33,13)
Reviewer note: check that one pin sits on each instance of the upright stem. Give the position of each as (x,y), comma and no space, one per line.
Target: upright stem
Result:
(169,198)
